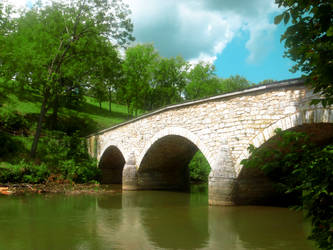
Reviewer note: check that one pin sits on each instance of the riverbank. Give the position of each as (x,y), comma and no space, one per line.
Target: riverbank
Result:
(70,189)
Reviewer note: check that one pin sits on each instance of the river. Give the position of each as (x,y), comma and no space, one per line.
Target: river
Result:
(145,220)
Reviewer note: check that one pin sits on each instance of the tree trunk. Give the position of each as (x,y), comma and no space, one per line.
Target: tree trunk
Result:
(54,118)
(110,99)
(100,105)
(39,128)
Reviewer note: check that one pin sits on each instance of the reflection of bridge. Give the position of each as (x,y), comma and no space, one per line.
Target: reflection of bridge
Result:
(152,151)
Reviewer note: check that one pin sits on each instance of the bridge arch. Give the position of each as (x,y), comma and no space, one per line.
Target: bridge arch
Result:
(111,163)
(295,121)
(177,131)
(163,163)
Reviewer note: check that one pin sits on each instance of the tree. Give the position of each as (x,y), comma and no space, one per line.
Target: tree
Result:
(6,24)
(113,73)
(309,42)
(266,81)
(98,91)
(199,168)
(138,68)
(168,81)
(60,41)
(304,170)
(202,82)
(234,83)
(108,74)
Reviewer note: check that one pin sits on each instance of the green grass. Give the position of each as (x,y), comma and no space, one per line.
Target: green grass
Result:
(28,103)
(102,116)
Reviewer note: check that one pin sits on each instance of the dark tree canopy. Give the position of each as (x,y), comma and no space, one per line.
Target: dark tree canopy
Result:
(309,41)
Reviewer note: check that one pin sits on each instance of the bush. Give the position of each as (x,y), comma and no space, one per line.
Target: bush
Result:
(25,172)
(13,122)
(9,145)
(68,156)
(305,169)
(199,168)
(73,124)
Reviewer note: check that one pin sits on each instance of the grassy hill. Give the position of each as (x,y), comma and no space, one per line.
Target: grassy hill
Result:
(19,110)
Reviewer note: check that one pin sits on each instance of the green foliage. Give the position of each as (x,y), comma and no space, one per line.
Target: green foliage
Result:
(266,81)
(24,172)
(108,75)
(303,169)
(234,83)
(199,168)
(316,184)
(68,156)
(168,81)
(98,91)
(138,68)
(53,47)
(13,122)
(309,41)
(202,82)
(9,144)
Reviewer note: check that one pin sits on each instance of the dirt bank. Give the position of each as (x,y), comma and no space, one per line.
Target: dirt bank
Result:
(24,188)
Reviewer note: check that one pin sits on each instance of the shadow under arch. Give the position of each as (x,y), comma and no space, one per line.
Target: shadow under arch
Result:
(165,164)
(182,133)
(253,187)
(111,164)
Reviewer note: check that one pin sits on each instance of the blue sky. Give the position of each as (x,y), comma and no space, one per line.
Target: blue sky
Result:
(273,65)
(237,36)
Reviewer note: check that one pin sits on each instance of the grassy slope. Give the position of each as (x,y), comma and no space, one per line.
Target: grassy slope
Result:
(28,104)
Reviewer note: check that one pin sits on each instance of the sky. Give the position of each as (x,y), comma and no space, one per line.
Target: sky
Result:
(237,36)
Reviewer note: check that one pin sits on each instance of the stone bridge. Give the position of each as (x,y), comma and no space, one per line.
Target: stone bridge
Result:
(153,150)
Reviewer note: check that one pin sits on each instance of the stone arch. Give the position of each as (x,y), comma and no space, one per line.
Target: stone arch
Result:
(111,163)
(107,144)
(164,162)
(310,116)
(177,131)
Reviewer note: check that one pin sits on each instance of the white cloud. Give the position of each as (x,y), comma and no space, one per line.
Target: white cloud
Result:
(260,42)
(200,29)
(21,3)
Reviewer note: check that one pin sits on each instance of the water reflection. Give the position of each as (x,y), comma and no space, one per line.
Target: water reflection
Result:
(251,227)
(144,220)
(169,220)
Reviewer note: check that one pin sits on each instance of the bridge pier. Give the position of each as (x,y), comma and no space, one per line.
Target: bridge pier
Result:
(221,191)
(130,174)
(222,179)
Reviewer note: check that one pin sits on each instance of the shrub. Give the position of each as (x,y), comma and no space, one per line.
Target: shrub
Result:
(68,156)
(9,145)
(24,172)
(199,168)
(305,169)
(13,122)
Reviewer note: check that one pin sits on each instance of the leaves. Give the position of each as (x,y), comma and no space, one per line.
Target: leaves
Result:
(309,42)
(278,18)
(59,48)
(305,169)
(286,17)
